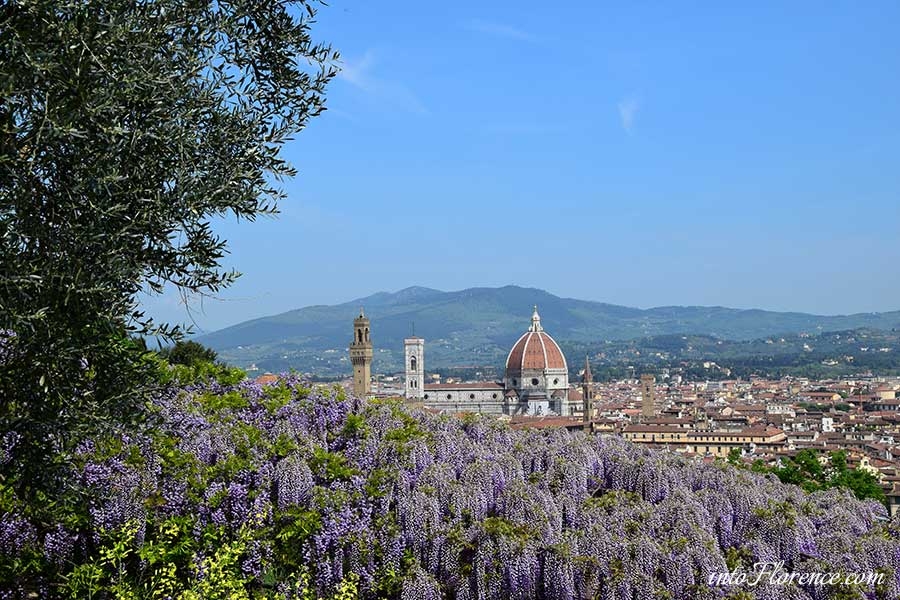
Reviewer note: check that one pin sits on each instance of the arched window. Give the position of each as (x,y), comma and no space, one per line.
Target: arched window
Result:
(413,364)
(367,334)
(359,334)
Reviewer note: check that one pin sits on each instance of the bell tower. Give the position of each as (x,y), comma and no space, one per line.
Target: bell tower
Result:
(648,395)
(415,367)
(361,356)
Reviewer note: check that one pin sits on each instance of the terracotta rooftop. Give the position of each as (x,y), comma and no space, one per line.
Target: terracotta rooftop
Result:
(267,379)
(535,350)
(653,429)
(668,421)
(545,422)
(752,432)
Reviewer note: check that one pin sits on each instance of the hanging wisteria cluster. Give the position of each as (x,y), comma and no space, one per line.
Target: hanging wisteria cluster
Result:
(283,491)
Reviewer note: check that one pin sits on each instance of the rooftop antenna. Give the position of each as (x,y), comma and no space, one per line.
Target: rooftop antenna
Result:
(414,329)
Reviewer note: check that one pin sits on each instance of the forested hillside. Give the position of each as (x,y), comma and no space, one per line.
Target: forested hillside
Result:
(477,326)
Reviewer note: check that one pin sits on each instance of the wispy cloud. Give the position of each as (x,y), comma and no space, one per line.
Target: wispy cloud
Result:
(356,71)
(500,30)
(628,109)
(361,75)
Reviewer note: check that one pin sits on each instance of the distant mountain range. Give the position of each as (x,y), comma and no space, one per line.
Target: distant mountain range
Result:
(477,326)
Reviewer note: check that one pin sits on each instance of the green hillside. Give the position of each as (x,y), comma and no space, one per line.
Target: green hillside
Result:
(478,326)
(826,355)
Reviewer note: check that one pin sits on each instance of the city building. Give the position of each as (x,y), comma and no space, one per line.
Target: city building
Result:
(536,381)
(712,442)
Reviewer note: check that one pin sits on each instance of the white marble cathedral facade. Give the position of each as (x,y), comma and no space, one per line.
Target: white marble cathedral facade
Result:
(536,381)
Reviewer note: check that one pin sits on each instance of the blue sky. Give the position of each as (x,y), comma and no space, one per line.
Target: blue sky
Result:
(646,154)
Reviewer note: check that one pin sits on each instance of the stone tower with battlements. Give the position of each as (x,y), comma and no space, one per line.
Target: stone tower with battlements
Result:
(361,356)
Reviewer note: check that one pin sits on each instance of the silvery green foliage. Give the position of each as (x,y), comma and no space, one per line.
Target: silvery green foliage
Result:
(125,127)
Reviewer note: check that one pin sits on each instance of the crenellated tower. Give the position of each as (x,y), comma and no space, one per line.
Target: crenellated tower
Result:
(361,356)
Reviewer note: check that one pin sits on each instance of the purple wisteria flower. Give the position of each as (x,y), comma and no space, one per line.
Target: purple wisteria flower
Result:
(408,504)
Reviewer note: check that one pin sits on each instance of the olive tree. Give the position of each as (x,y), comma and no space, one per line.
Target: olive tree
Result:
(125,126)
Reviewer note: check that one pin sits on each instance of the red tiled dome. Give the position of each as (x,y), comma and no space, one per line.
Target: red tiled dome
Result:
(535,350)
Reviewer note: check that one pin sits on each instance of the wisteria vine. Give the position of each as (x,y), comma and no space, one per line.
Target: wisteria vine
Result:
(292,492)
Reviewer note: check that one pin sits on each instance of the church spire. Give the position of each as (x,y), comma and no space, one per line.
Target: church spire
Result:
(536,321)
(588,409)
